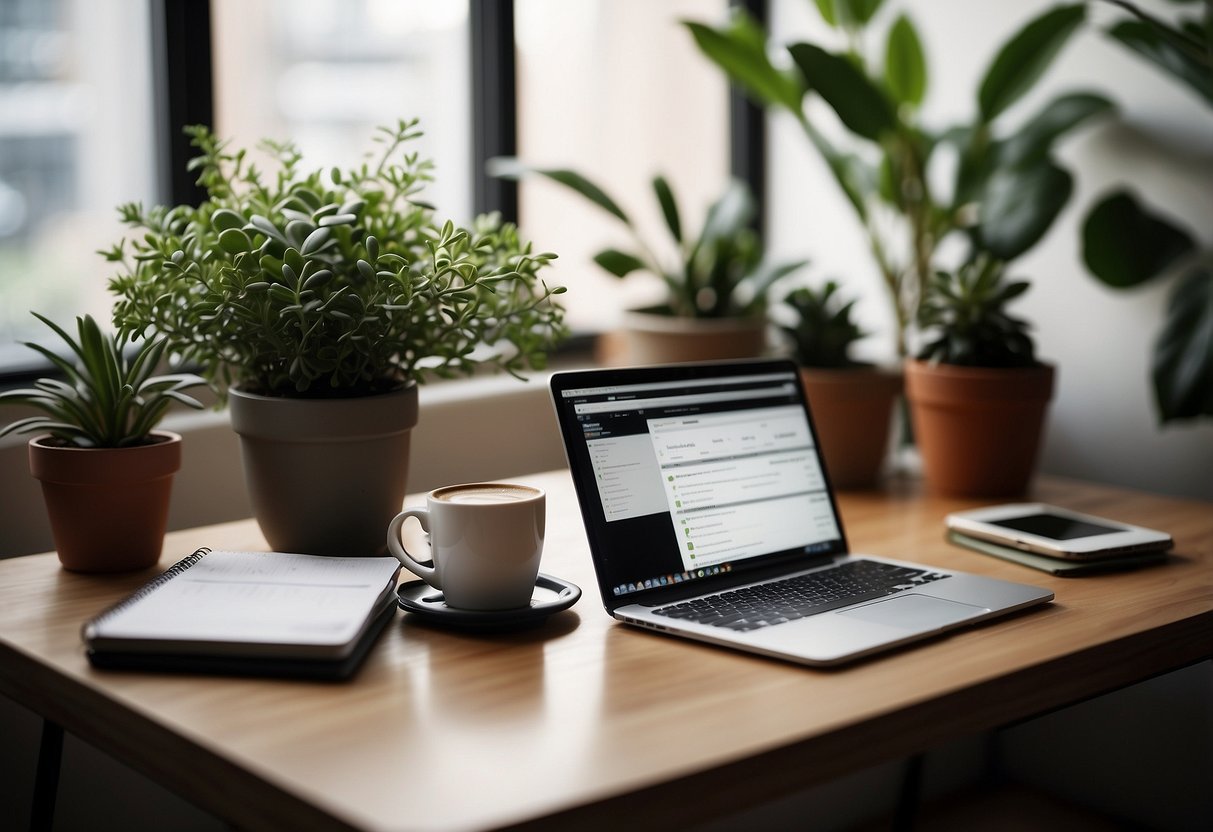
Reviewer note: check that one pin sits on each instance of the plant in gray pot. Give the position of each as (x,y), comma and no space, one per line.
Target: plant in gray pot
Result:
(851,401)
(106,472)
(318,301)
(717,287)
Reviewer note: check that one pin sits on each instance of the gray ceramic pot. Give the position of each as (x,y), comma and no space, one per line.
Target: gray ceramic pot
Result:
(325,476)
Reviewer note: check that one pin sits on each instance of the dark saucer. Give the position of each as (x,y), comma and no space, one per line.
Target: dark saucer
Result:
(551,596)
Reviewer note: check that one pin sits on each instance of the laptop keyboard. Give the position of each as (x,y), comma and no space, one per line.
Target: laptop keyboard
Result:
(778,602)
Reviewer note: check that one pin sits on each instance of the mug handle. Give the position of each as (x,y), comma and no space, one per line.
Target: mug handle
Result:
(396,547)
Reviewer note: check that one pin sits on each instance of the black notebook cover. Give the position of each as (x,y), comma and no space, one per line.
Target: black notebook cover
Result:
(250,613)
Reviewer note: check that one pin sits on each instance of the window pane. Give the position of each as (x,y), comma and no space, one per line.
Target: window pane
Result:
(618,92)
(325,73)
(75,142)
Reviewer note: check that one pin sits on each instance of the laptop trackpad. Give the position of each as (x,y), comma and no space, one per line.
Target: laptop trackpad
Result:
(915,612)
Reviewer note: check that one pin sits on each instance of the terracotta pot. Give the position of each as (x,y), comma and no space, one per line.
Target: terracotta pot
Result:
(325,476)
(650,338)
(852,410)
(108,507)
(978,428)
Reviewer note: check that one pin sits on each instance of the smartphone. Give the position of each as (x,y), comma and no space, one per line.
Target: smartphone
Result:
(1056,532)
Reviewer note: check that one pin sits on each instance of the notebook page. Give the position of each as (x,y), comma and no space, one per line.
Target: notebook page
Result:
(268,597)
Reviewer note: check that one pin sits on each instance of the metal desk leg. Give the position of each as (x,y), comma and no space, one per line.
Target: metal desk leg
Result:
(46,784)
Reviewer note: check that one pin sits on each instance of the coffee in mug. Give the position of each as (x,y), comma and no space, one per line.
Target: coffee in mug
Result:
(485,541)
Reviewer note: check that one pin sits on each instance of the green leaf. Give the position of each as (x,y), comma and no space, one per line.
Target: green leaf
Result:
(905,68)
(740,51)
(729,214)
(510,168)
(669,207)
(1018,207)
(856,12)
(859,103)
(234,241)
(853,175)
(1183,354)
(826,7)
(619,263)
(1023,59)
(1123,244)
(1170,51)
(1035,139)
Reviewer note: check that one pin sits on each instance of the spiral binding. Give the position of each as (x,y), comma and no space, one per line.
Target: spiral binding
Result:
(143,591)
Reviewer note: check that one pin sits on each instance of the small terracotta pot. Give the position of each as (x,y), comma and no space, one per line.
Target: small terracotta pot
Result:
(108,507)
(978,428)
(852,411)
(650,338)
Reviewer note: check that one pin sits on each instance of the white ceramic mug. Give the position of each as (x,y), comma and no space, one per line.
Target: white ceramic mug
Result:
(485,541)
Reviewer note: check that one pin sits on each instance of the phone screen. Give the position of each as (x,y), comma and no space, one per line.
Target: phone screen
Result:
(1054,526)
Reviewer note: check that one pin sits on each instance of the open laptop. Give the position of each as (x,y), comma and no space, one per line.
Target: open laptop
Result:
(710,515)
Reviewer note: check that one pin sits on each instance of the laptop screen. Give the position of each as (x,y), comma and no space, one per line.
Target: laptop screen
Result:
(687,473)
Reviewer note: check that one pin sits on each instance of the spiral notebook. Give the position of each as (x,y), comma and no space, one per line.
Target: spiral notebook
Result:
(259,613)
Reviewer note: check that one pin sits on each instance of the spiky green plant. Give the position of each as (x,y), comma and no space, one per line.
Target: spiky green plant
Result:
(823,331)
(107,399)
(964,320)
(719,273)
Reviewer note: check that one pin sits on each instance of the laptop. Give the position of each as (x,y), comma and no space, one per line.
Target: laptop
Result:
(709,515)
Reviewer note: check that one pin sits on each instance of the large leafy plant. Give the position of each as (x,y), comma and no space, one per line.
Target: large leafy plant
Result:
(720,273)
(108,396)
(330,282)
(1007,188)
(1126,243)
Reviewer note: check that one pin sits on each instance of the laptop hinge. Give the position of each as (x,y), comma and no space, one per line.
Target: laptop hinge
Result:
(693,589)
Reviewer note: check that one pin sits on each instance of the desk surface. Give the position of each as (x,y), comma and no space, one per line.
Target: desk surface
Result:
(588,721)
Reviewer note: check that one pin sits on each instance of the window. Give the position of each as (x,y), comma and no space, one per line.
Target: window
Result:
(613,89)
(75,142)
(618,92)
(324,73)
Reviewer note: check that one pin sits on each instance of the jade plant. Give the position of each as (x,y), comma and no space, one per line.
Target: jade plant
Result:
(822,331)
(965,322)
(107,397)
(1127,243)
(1005,187)
(721,273)
(330,283)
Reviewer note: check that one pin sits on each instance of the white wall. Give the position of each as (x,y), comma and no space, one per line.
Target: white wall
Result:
(1102,424)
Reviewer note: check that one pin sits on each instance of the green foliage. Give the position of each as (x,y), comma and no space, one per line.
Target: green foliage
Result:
(964,321)
(719,274)
(1126,243)
(1007,188)
(330,283)
(109,399)
(823,332)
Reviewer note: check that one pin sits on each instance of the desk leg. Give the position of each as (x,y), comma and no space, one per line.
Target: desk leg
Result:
(909,795)
(46,784)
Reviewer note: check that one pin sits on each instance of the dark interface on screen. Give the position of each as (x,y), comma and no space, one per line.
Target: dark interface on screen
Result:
(1054,526)
(697,477)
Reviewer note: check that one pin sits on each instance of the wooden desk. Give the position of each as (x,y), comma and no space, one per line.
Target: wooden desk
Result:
(586,721)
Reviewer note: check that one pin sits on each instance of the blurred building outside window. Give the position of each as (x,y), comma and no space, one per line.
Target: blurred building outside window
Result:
(75,142)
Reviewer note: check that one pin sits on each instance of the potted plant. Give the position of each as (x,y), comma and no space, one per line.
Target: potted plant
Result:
(716,290)
(106,472)
(977,392)
(989,182)
(317,301)
(851,401)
